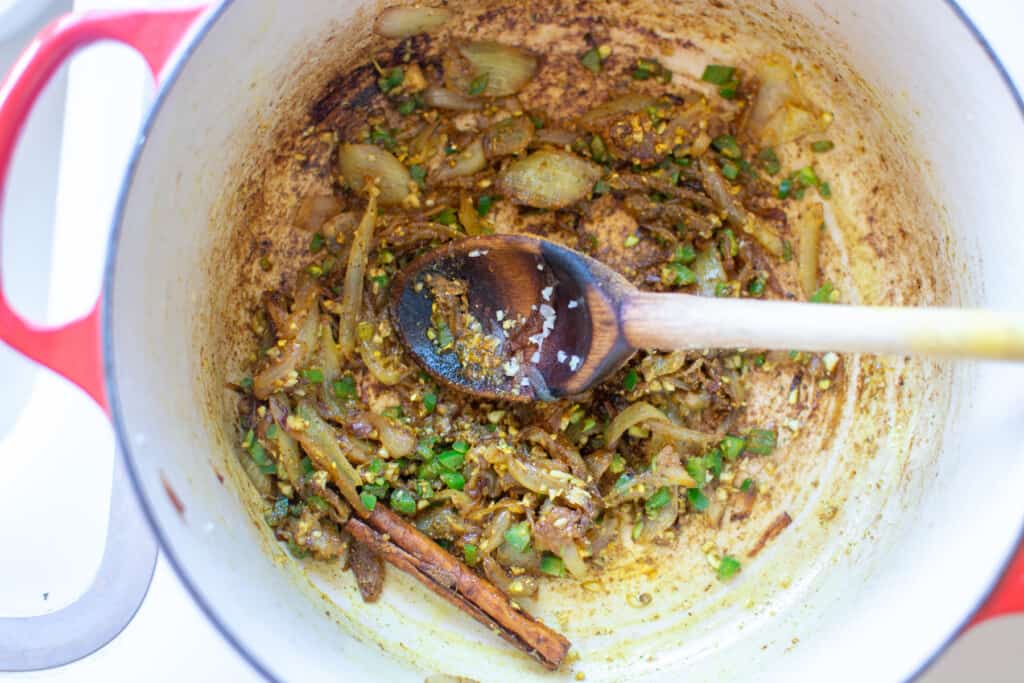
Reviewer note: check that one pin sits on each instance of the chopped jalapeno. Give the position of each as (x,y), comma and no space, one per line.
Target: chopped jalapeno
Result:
(403,502)
(658,500)
(728,567)
(552,565)
(418,172)
(718,74)
(479,84)
(483,205)
(451,460)
(769,161)
(761,441)
(453,480)
(518,536)
(391,79)
(697,499)
(732,446)
(824,294)
(344,388)
(727,145)
(446,217)
(592,60)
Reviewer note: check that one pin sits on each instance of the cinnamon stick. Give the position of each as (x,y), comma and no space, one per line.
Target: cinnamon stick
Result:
(405,547)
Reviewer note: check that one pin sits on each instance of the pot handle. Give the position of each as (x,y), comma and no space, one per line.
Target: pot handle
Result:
(1008,597)
(73,350)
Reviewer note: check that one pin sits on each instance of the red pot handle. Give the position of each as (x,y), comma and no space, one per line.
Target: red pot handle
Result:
(1008,597)
(73,350)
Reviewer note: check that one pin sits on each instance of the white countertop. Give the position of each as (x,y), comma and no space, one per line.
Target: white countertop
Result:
(72,187)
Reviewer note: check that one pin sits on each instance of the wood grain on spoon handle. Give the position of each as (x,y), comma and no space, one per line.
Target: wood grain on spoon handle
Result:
(679,321)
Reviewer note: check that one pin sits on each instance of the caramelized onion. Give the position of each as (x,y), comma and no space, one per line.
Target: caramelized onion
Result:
(442,98)
(315,210)
(549,179)
(508,137)
(317,439)
(810,238)
(463,163)
(781,113)
(644,412)
(396,439)
(402,22)
(352,295)
(357,163)
(600,116)
(505,68)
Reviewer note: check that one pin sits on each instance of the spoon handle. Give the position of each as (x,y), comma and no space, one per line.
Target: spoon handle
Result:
(683,321)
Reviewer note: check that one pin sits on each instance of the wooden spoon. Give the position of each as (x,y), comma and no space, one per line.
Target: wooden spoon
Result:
(528,319)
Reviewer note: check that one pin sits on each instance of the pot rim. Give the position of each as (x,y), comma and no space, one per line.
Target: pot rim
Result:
(173,72)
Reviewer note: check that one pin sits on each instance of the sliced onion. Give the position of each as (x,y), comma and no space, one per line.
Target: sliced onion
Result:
(810,240)
(300,327)
(572,560)
(549,179)
(736,215)
(644,412)
(356,163)
(558,137)
(442,98)
(708,270)
(402,22)
(468,216)
(663,519)
(387,371)
(781,113)
(352,295)
(606,112)
(315,210)
(510,557)
(508,137)
(520,586)
(464,163)
(636,413)
(508,69)
(558,448)
(715,184)
(398,440)
(280,373)
(317,439)
(679,434)
(329,363)
(285,448)
(494,532)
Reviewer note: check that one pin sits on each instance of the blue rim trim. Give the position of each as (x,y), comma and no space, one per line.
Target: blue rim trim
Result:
(108,353)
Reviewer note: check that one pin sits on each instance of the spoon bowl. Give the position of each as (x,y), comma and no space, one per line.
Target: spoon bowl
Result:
(547,313)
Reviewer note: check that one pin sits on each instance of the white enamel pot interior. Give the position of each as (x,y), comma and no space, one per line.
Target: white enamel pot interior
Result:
(889,553)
